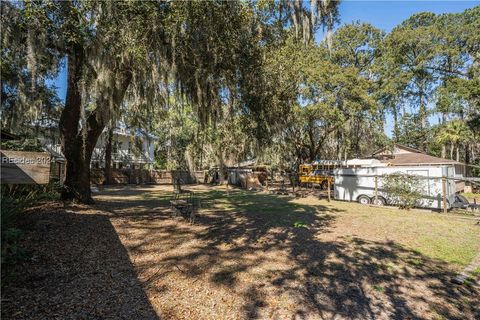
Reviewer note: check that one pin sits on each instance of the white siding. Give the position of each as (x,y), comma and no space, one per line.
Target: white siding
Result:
(351,183)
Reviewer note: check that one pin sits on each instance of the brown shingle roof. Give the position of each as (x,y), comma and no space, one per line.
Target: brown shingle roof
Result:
(417,159)
(397,145)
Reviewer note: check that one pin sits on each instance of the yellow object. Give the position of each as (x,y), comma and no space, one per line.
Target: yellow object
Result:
(313,173)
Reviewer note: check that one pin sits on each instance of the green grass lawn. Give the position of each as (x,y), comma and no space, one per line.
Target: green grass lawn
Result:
(450,239)
(470,196)
(447,238)
(444,237)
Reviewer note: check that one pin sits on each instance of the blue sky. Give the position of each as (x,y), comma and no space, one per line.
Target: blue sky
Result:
(384,15)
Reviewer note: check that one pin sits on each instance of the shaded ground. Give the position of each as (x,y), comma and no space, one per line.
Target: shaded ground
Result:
(78,269)
(248,256)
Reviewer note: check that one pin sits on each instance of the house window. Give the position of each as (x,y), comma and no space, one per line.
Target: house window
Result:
(116,146)
(129,148)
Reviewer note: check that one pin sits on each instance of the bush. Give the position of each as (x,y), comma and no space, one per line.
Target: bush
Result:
(404,190)
(15,199)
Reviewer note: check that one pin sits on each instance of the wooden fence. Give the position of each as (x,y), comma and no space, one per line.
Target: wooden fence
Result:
(143,176)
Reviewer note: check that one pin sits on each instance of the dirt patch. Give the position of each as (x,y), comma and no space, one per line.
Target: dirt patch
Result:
(248,256)
(78,269)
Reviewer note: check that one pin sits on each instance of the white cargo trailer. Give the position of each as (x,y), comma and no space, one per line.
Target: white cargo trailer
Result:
(363,184)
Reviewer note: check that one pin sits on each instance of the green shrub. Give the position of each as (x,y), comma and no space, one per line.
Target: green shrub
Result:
(15,198)
(404,190)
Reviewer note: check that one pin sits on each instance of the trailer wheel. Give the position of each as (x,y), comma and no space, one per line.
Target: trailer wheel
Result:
(363,199)
(379,201)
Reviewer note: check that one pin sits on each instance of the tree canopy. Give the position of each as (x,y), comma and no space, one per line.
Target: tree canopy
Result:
(223,81)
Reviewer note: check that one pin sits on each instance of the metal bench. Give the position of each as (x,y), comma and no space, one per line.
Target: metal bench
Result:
(185,204)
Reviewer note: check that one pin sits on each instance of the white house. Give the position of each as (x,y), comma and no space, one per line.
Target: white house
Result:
(131,148)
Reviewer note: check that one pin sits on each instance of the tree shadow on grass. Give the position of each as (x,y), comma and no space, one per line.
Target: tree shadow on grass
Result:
(78,269)
(276,258)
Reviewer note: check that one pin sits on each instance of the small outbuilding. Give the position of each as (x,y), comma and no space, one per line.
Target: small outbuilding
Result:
(404,156)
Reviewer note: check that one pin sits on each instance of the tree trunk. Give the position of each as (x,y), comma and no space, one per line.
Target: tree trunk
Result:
(329,35)
(423,119)
(77,179)
(457,149)
(444,145)
(338,150)
(221,166)
(190,164)
(108,156)
(78,144)
(357,136)
(396,129)
(79,155)
(467,153)
(311,146)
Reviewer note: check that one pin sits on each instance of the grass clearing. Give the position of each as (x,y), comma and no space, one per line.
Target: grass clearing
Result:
(452,240)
